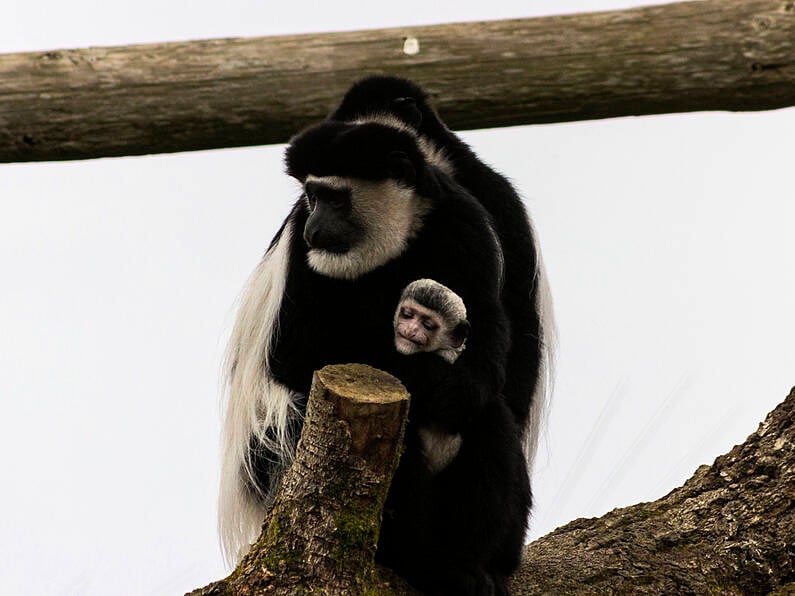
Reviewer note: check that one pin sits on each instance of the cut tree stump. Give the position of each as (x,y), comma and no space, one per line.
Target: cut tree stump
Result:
(322,531)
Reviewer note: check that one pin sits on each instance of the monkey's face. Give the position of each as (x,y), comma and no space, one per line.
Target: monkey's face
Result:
(363,194)
(417,329)
(355,226)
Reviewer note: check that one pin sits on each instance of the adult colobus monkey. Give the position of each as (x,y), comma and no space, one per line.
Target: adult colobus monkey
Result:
(402,104)
(338,252)
(377,213)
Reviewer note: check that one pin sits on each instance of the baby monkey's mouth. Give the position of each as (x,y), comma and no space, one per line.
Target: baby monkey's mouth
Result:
(413,341)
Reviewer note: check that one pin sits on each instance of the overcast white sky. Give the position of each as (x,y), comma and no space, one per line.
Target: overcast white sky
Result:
(668,242)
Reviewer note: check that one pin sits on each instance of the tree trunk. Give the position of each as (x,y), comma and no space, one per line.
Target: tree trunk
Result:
(321,534)
(158,98)
(730,529)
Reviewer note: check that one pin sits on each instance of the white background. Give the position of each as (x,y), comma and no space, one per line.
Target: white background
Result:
(668,242)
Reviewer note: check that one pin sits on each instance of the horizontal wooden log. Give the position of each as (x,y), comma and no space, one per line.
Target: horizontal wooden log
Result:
(97,102)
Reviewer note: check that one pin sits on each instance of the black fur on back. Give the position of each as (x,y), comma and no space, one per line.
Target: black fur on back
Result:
(378,95)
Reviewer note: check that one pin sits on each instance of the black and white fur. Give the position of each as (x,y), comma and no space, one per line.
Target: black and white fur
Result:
(403,219)
(399,103)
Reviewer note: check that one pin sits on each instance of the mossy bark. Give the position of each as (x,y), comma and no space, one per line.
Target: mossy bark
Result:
(321,534)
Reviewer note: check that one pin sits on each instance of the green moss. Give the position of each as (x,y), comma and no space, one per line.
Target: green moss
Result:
(272,550)
(273,532)
(356,531)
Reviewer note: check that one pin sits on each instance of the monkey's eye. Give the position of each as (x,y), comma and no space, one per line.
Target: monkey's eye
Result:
(429,325)
(405,313)
(336,201)
(311,198)
(336,198)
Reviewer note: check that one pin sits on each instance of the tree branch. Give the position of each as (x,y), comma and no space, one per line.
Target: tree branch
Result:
(730,529)
(98,102)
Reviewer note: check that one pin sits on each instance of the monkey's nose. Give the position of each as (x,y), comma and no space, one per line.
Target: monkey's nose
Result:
(310,236)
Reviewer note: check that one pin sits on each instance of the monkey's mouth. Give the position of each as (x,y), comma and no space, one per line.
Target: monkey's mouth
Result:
(400,337)
(406,346)
(334,248)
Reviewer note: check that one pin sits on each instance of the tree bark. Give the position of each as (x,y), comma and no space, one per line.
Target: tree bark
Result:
(99,102)
(320,535)
(730,529)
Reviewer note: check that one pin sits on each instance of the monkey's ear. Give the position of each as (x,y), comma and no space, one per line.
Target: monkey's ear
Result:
(400,167)
(406,108)
(459,334)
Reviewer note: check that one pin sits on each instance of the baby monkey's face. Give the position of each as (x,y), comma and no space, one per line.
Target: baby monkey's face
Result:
(417,328)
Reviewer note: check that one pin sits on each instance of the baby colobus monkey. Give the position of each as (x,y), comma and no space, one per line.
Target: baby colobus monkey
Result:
(430,317)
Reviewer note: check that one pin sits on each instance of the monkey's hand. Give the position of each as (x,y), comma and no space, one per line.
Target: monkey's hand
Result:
(447,396)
